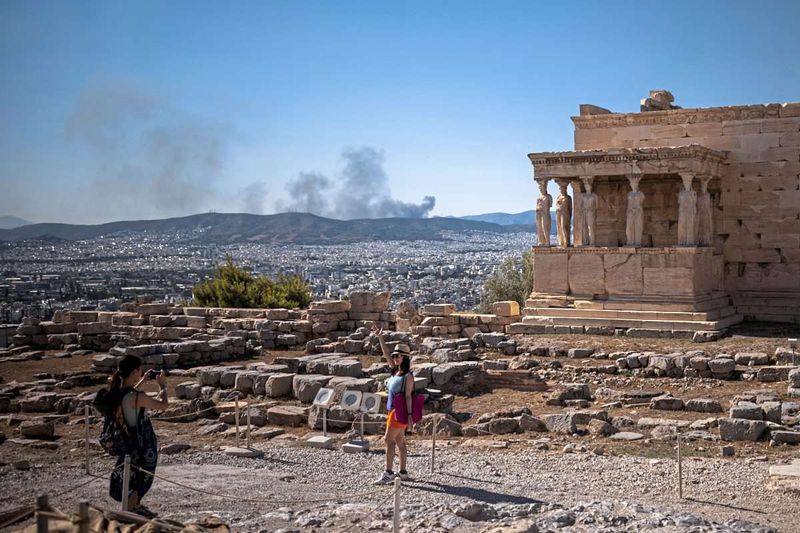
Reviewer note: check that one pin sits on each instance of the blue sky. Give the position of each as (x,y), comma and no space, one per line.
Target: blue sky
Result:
(115,110)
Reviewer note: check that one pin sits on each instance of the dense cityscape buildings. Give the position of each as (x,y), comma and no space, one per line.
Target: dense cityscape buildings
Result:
(38,277)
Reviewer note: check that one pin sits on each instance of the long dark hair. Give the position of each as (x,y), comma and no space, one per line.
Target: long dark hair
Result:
(405,365)
(107,400)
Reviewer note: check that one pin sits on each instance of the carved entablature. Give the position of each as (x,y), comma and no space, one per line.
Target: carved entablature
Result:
(693,158)
(686,116)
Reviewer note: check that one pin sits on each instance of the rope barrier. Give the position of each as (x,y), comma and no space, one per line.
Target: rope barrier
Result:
(94,477)
(22,515)
(197,413)
(372,512)
(254,500)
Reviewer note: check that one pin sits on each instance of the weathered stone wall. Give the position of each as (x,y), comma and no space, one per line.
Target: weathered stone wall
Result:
(157,322)
(588,271)
(757,203)
(442,320)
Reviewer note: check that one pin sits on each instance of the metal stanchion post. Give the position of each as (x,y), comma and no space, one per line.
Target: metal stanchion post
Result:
(433,443)
(86,436)
(41,520)
(680,469)
(396,515)
(236,417)
(126,482)
(324,422)
(83,516)
(248,425)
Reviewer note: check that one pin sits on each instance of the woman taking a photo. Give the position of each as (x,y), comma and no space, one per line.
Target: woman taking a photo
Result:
(400,387)
(124,404)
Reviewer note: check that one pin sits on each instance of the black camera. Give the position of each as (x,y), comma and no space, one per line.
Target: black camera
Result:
(152,374)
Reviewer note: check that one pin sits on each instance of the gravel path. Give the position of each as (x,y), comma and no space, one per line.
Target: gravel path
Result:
(474,489)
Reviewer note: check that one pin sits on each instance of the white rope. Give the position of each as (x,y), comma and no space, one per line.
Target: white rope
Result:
(94,477)
(255,500)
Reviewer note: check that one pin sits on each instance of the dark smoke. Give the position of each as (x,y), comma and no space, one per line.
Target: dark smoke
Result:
(308,195)
(152,160)
(251,198)
(363,191)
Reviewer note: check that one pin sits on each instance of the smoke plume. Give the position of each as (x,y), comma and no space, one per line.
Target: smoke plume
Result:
(251,198)
(308,195)
(363,191)
(152,159)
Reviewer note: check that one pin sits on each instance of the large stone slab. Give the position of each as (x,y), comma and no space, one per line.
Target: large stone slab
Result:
(287,415)
(623,274)
(564,423)
(306,386)
(785,437)
(668,281)
(703,405)
(278,385)
(747,410)
(586,274)
(550,273)
(740,429)
(37,429)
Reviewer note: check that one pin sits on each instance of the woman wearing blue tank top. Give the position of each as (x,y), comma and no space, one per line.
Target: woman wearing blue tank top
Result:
(400,382)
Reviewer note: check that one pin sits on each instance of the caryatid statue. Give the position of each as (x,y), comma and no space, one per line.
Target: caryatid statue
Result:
(705,229)
(543,205)
(687,212)
(634,225)
(563,214)
(589,206)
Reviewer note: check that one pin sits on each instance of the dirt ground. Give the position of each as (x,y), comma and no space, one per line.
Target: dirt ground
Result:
(68,449)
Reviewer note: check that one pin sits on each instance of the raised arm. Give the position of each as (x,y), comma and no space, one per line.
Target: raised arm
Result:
(385,349)
(160,402)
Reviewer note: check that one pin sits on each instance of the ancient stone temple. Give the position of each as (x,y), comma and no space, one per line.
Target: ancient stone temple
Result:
(672,219)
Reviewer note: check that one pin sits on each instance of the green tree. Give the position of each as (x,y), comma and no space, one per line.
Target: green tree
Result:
(232,286)
(511,280)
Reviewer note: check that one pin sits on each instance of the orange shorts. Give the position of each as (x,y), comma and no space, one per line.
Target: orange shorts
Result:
(392,423)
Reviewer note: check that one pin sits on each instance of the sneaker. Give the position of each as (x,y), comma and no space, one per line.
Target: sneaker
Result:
(386,479)
(141,510)
(403,475)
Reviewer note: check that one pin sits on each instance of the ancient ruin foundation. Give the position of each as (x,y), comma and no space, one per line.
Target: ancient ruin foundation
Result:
(682,219)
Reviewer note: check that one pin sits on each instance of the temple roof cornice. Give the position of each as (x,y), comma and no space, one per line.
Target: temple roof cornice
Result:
(687,116)
(693,158)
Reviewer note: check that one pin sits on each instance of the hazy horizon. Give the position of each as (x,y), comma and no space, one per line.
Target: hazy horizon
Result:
(152,110)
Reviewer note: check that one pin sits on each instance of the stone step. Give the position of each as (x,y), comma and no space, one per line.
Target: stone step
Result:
(669,316)
(671,325)
(692,305)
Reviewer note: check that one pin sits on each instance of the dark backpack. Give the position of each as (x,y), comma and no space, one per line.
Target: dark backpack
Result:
(117,438)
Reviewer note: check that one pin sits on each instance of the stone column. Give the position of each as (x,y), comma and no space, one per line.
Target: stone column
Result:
(578,235)
(589,207)
(563,213)
(687,212)
(634,216)
(705,229)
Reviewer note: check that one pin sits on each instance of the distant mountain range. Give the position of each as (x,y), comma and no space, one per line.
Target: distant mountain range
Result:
(283,228)
(9,222)
(505,219)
